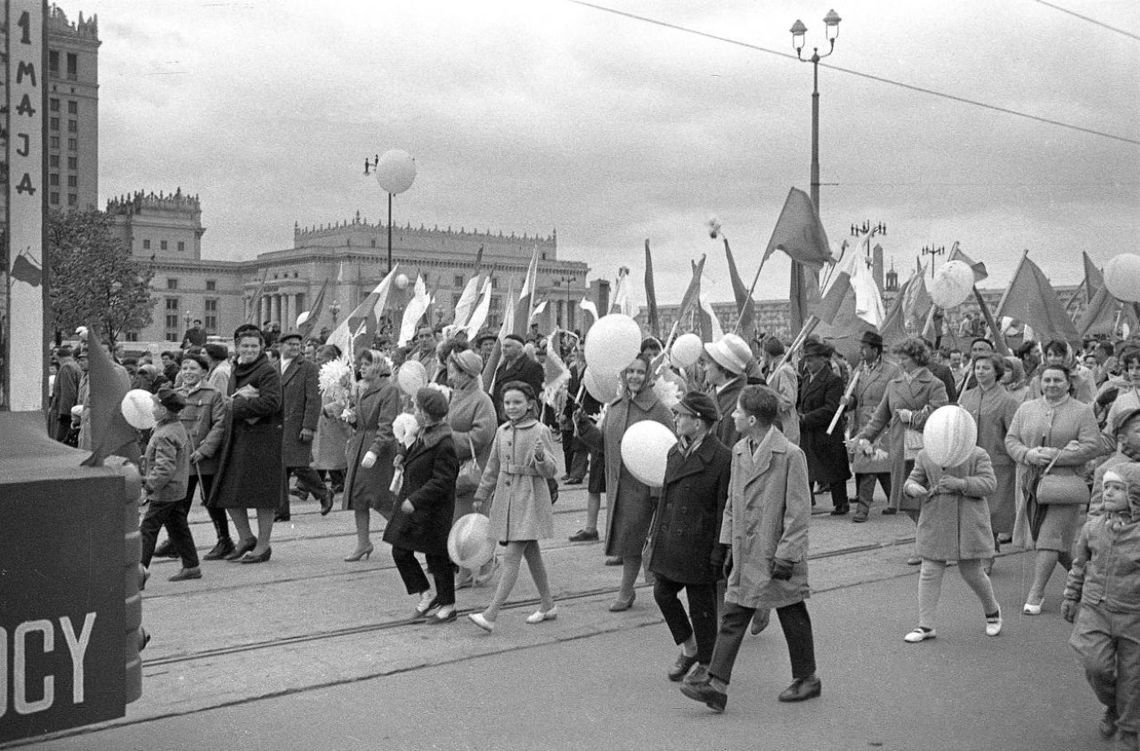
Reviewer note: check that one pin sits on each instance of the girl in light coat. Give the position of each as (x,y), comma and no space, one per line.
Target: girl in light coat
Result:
(521,460)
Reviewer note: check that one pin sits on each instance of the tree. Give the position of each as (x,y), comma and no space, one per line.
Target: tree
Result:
(93,278)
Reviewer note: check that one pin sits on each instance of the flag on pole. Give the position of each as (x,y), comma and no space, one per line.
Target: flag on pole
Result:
(589,307)
(479,314)
(651,295)
(745,308)
(1031,299)
(507,327)
(799,233)
(467,300)
(108,383)
(256,299)
(414,311)
(1094,278)
(305,327)
(521,311)
(623,295)
(356,331)
(692,294)
(555,372)
(538,309)
(979,268)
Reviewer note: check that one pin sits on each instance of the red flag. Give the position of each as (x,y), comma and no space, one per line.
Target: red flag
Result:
(799,233)
(1094,279)
(1031,299)
(689,300)
(745,308)
(108,383)
(307,326)
(651,295)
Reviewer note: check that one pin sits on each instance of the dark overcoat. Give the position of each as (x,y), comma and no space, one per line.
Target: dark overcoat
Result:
(301,402)
(376,408)
(249,467)
(726,398)
(686,526)
(818,399)
(430,469)
(523,369)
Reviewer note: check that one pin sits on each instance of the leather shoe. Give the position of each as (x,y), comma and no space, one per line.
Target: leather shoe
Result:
(1107,725)
(262,558)
(700,674)
(187,573)
(682,667)
(802,688)
(224,547)
(613,560)
(620,605)
(165,550)
(241,549)
(703,692)
(840,510)
(574,481)
(760,620)
(326,503)
(585,535)
(299,494)
(890,511)
(281,517)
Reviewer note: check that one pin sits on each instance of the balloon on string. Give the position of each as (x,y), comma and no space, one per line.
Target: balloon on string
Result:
(952,284)
(602,386)
(686,350)
(138,409)
(1122,277)
(469,544)
(401,281)
(614,340)
(412,376)
(949,436)
(645,451)
(395,171)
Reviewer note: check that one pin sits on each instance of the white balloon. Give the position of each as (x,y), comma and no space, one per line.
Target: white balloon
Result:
(949,435)
(952,284)
(1122,277)
(401,281)
(404,428)
(645,451)
(396,171)
(412,376)
(612,343)
(603,387)
(469,544)
(686,350)
(138,409)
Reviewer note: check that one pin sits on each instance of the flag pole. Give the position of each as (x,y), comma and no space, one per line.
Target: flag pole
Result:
(845,400)
(805,332)
(999,338)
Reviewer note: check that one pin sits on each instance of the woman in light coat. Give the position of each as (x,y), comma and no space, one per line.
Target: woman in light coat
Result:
(333,432)
(953,525)
(521,461)
(874,463)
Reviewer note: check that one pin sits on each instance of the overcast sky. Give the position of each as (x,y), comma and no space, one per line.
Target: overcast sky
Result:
(530,115)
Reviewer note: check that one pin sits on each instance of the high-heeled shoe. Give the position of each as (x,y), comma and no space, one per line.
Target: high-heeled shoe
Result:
(619,604)
(242,548)
(359,553)
(541,615)
(251,558)
(1033,608)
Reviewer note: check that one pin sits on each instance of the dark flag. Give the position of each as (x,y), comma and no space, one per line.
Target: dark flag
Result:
(651,295)
(111,434)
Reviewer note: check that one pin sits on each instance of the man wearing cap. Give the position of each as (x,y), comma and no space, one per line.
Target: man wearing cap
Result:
(301,404)
(684,545)
(195,336)
(819,397)
(726,362)
(64,394)
(515,366)
(873,464)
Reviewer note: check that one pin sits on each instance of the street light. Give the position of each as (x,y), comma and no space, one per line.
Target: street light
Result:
(395,171)
(831,20)
(930,250)
(568,281)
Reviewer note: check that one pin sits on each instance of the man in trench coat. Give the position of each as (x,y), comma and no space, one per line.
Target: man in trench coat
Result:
(301,402)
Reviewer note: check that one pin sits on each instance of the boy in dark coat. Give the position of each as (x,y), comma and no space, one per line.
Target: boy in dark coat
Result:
(167,465)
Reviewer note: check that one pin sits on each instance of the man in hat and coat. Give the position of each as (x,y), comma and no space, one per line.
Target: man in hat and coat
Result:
(873,464)
(515,366)
(819,397)
(726,365)
(301,402)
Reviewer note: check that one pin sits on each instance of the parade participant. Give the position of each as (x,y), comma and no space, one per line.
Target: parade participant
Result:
(726,362)
(301,403)
(1058,352)
(515,366)
(584,417)
(485,344)
(1014,379)
(574,453)
(472,419)
(686,532)
(1053,429)
(1126,437)
(873,463)
(521,460)
(940,371)
(1127,395)
(333,433)
(425,351)
(249,466)
(910,398)
(764,541)
(953,525)
(1102,594)
(371,449)
(195,336)
(218,377)
(631,502)
(993,408)
(167,470)
(64,394)
(422,518)
(965,379)
(1030,355)
(819,396)
(783,380)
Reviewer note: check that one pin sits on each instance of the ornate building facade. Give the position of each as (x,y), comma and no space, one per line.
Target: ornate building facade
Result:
(73,112)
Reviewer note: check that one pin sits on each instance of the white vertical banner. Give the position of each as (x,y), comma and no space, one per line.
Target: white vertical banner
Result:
(25,86)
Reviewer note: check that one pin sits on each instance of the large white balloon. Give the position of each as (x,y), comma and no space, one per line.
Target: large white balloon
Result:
(603,387)
(1122,277)
(949,436)
(952,284)
(396,171)
(138,409)
(469,545)
(686,350)
(645,450)
(401,281)
(411,376)
(612,343)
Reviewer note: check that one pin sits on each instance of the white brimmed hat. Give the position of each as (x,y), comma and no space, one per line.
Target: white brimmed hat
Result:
(731,352)
(469,545)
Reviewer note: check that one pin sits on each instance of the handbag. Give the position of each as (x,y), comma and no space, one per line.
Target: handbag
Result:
(912,444)
(470,473)
(1057,489)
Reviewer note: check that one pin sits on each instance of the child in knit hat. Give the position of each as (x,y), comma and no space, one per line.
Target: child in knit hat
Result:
(1102,594)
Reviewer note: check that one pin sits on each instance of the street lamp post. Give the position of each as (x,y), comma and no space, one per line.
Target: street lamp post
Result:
(831,21)
(568,280)
(395,170)
(930,250)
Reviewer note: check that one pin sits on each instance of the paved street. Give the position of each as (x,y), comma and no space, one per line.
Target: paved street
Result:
(311,652)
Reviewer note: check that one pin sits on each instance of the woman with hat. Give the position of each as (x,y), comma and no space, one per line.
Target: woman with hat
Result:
(909,398)
(371,449)
(422,518)
(473,424)
(250,466)
(872,464)
(686,532)
(820,393)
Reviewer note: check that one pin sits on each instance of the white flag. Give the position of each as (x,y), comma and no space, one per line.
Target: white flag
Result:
(417,306)
(480,313)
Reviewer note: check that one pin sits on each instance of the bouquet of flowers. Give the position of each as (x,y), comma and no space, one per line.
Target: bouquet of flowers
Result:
(335,383)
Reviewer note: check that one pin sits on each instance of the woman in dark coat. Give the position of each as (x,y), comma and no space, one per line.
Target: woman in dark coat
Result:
(249,467)
(819,396)
(371,449)
(686,529)
(422,520)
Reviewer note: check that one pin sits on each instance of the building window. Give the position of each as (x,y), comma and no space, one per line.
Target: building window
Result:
(55,199)
(172,319)
(53,179)
(132,336)
(53,123)
(53,141)
(162,244)
(53,161)
(181,245)
(73,144)
(211,285)
(72,107)
(53,63)
(72,199)
(73,181)
(146,244)
(72,162)
(494,283)
(72,66)
(72,126)
(53,105)
(172,284)
(211,317)
(458,280)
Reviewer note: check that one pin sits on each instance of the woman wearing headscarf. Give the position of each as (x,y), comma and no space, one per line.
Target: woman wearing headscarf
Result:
(1014,379)
(371,449)
(631,502)
(1058,352)
(472,419)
